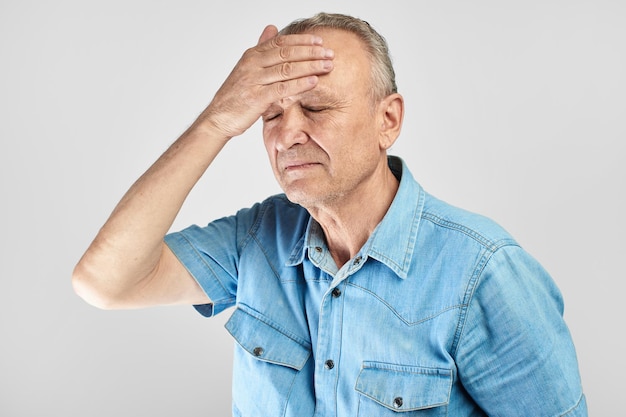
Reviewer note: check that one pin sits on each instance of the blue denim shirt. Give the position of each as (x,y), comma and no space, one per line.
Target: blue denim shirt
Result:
(441,313)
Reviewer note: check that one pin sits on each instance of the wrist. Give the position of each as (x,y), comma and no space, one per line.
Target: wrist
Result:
(209,127)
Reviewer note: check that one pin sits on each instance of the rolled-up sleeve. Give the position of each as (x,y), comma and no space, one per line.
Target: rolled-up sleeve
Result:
(211,255)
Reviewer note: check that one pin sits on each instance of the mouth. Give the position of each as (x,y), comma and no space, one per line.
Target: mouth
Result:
(295,166)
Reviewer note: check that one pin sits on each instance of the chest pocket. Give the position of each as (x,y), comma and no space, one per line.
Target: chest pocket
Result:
(397,390)
(266,341)
(269,365)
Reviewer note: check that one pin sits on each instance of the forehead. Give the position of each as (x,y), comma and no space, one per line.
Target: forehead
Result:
(348,47)
(351,64)
(350,78)
(320,94)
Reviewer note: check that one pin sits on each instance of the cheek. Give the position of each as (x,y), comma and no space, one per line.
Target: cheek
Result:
(268,139)
(270,149)
(267,134)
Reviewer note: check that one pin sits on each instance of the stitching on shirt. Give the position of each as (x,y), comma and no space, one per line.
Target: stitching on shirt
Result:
(575,407)
(408,369)
(340,353)
(252,231)
(445,374)
(416,219)
(490,247)
(208,266)
(484,241)
(246,309)
(397,314)
(252,235)
(471,289)
(290,391)
(256,225)
(267,258)
(469,293)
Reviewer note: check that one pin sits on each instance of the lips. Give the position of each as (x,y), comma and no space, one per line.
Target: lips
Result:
(290,166)
(299,159)
(292,161)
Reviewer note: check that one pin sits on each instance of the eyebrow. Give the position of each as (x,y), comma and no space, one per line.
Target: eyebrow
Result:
(322,97)
(318,96)
(315,96)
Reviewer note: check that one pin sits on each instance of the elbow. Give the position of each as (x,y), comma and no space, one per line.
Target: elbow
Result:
(92,288)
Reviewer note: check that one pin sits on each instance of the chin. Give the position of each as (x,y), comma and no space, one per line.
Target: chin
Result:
(300,195)
(309,192)
(309,199)
(300,198)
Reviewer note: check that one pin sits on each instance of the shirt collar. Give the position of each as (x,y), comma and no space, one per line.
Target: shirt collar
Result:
(393,240)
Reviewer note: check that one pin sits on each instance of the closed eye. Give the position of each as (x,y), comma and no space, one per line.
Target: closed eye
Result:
(314,109)
(270,116)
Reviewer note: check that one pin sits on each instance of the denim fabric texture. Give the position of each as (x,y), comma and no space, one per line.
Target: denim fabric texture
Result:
(441,313)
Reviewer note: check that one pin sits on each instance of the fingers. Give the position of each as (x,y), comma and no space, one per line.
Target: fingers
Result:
(285,89)
(286,48)
(268,33)
(297,53)
(279,66)
(294,69)
(284,58)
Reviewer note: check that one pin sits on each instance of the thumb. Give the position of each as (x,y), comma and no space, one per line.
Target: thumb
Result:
(268,33)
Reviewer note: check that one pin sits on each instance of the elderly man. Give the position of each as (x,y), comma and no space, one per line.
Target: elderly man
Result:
(356,293)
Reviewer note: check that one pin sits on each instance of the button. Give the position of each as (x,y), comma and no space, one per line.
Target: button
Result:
(397,402)
(357,260)
(329,364)
(318,249)
(257,351)
(336,292)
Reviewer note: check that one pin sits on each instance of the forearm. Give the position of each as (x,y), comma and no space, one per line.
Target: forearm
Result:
(128,247)
(127,264)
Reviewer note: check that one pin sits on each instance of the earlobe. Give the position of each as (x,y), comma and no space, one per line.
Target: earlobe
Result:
(392,113)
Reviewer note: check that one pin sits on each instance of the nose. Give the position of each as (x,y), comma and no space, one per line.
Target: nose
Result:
(290,129)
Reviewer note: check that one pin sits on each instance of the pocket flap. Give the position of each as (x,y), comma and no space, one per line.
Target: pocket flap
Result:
(266,342)
(405,388)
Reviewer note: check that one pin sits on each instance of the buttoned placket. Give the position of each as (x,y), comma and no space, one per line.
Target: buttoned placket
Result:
(330,327)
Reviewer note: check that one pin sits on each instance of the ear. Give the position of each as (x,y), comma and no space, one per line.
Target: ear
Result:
(390,113)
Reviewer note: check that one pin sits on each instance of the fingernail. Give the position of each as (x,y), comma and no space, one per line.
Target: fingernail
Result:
(317,40)
(329,53)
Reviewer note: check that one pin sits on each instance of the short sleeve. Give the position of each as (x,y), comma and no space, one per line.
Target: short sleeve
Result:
(211,255)
(516,356)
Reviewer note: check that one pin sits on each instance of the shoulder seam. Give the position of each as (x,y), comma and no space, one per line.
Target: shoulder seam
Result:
(489,244)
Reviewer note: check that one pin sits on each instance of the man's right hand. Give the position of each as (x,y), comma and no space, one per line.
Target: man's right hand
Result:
(128,265)
(277,67)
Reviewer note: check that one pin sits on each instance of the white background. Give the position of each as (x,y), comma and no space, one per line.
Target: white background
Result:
(515,110)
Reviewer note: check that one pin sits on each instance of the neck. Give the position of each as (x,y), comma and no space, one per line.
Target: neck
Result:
(348,222)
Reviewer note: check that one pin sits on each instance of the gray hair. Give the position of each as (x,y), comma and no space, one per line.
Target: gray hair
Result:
(383,75)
